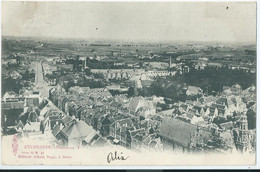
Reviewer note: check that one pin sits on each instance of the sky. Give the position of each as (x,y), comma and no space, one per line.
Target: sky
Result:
(133,21)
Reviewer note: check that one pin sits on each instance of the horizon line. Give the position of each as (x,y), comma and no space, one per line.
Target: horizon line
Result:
(128,40)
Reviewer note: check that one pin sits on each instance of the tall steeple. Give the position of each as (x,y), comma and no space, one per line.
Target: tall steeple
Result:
(242,139)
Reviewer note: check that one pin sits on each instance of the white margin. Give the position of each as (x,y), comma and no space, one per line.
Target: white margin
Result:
(257,166)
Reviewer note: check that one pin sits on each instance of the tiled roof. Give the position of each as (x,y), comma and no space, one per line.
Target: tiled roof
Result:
(56,130)
(224,101)
(189,114)
(140,136)
(135,132)
(177,131)
(100,142)
(77,129)
(227,125)
(144,123)
(115,104)
(91,136)
(54,117)
(97,89)
(106,94)
(221,111)
(212,109)
(127,121)
(134,103)
(167,112)
(66,120)
(98,115)
(44,111)
(193,111)
(226,135)
(43,104)
(197,108)
(158,117)
(219,106)
(184,106)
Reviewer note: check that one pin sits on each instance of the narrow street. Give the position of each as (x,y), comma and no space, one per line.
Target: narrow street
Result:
(40,84)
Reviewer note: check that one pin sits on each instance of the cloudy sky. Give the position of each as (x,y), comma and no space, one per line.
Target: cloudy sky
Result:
(143,21)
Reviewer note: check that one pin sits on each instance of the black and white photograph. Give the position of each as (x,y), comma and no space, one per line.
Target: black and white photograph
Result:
(128,83)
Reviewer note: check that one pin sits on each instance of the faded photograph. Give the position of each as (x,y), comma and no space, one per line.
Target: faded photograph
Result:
(128,83)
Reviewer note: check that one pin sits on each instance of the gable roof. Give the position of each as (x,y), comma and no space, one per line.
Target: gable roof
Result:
(145,123)
(90,137)
(44,110)
(67,119)
(177,131)
(98,115)
(135,132)
(100,142)
(20,124)
(225,101)
(134,103)
(43,104)
(106,94)
(127,121)
(141,135)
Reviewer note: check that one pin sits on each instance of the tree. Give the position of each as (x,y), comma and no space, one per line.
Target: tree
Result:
(11,84)
(251,118)
(67,84)
(131,92)
(18,59)
(98,75)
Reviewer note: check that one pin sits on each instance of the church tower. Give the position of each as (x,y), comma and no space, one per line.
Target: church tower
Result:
(242,139)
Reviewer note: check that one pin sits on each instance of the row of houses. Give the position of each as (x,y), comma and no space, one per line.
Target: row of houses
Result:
(192,116)
(132,73)
(113,117)
(91,117)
